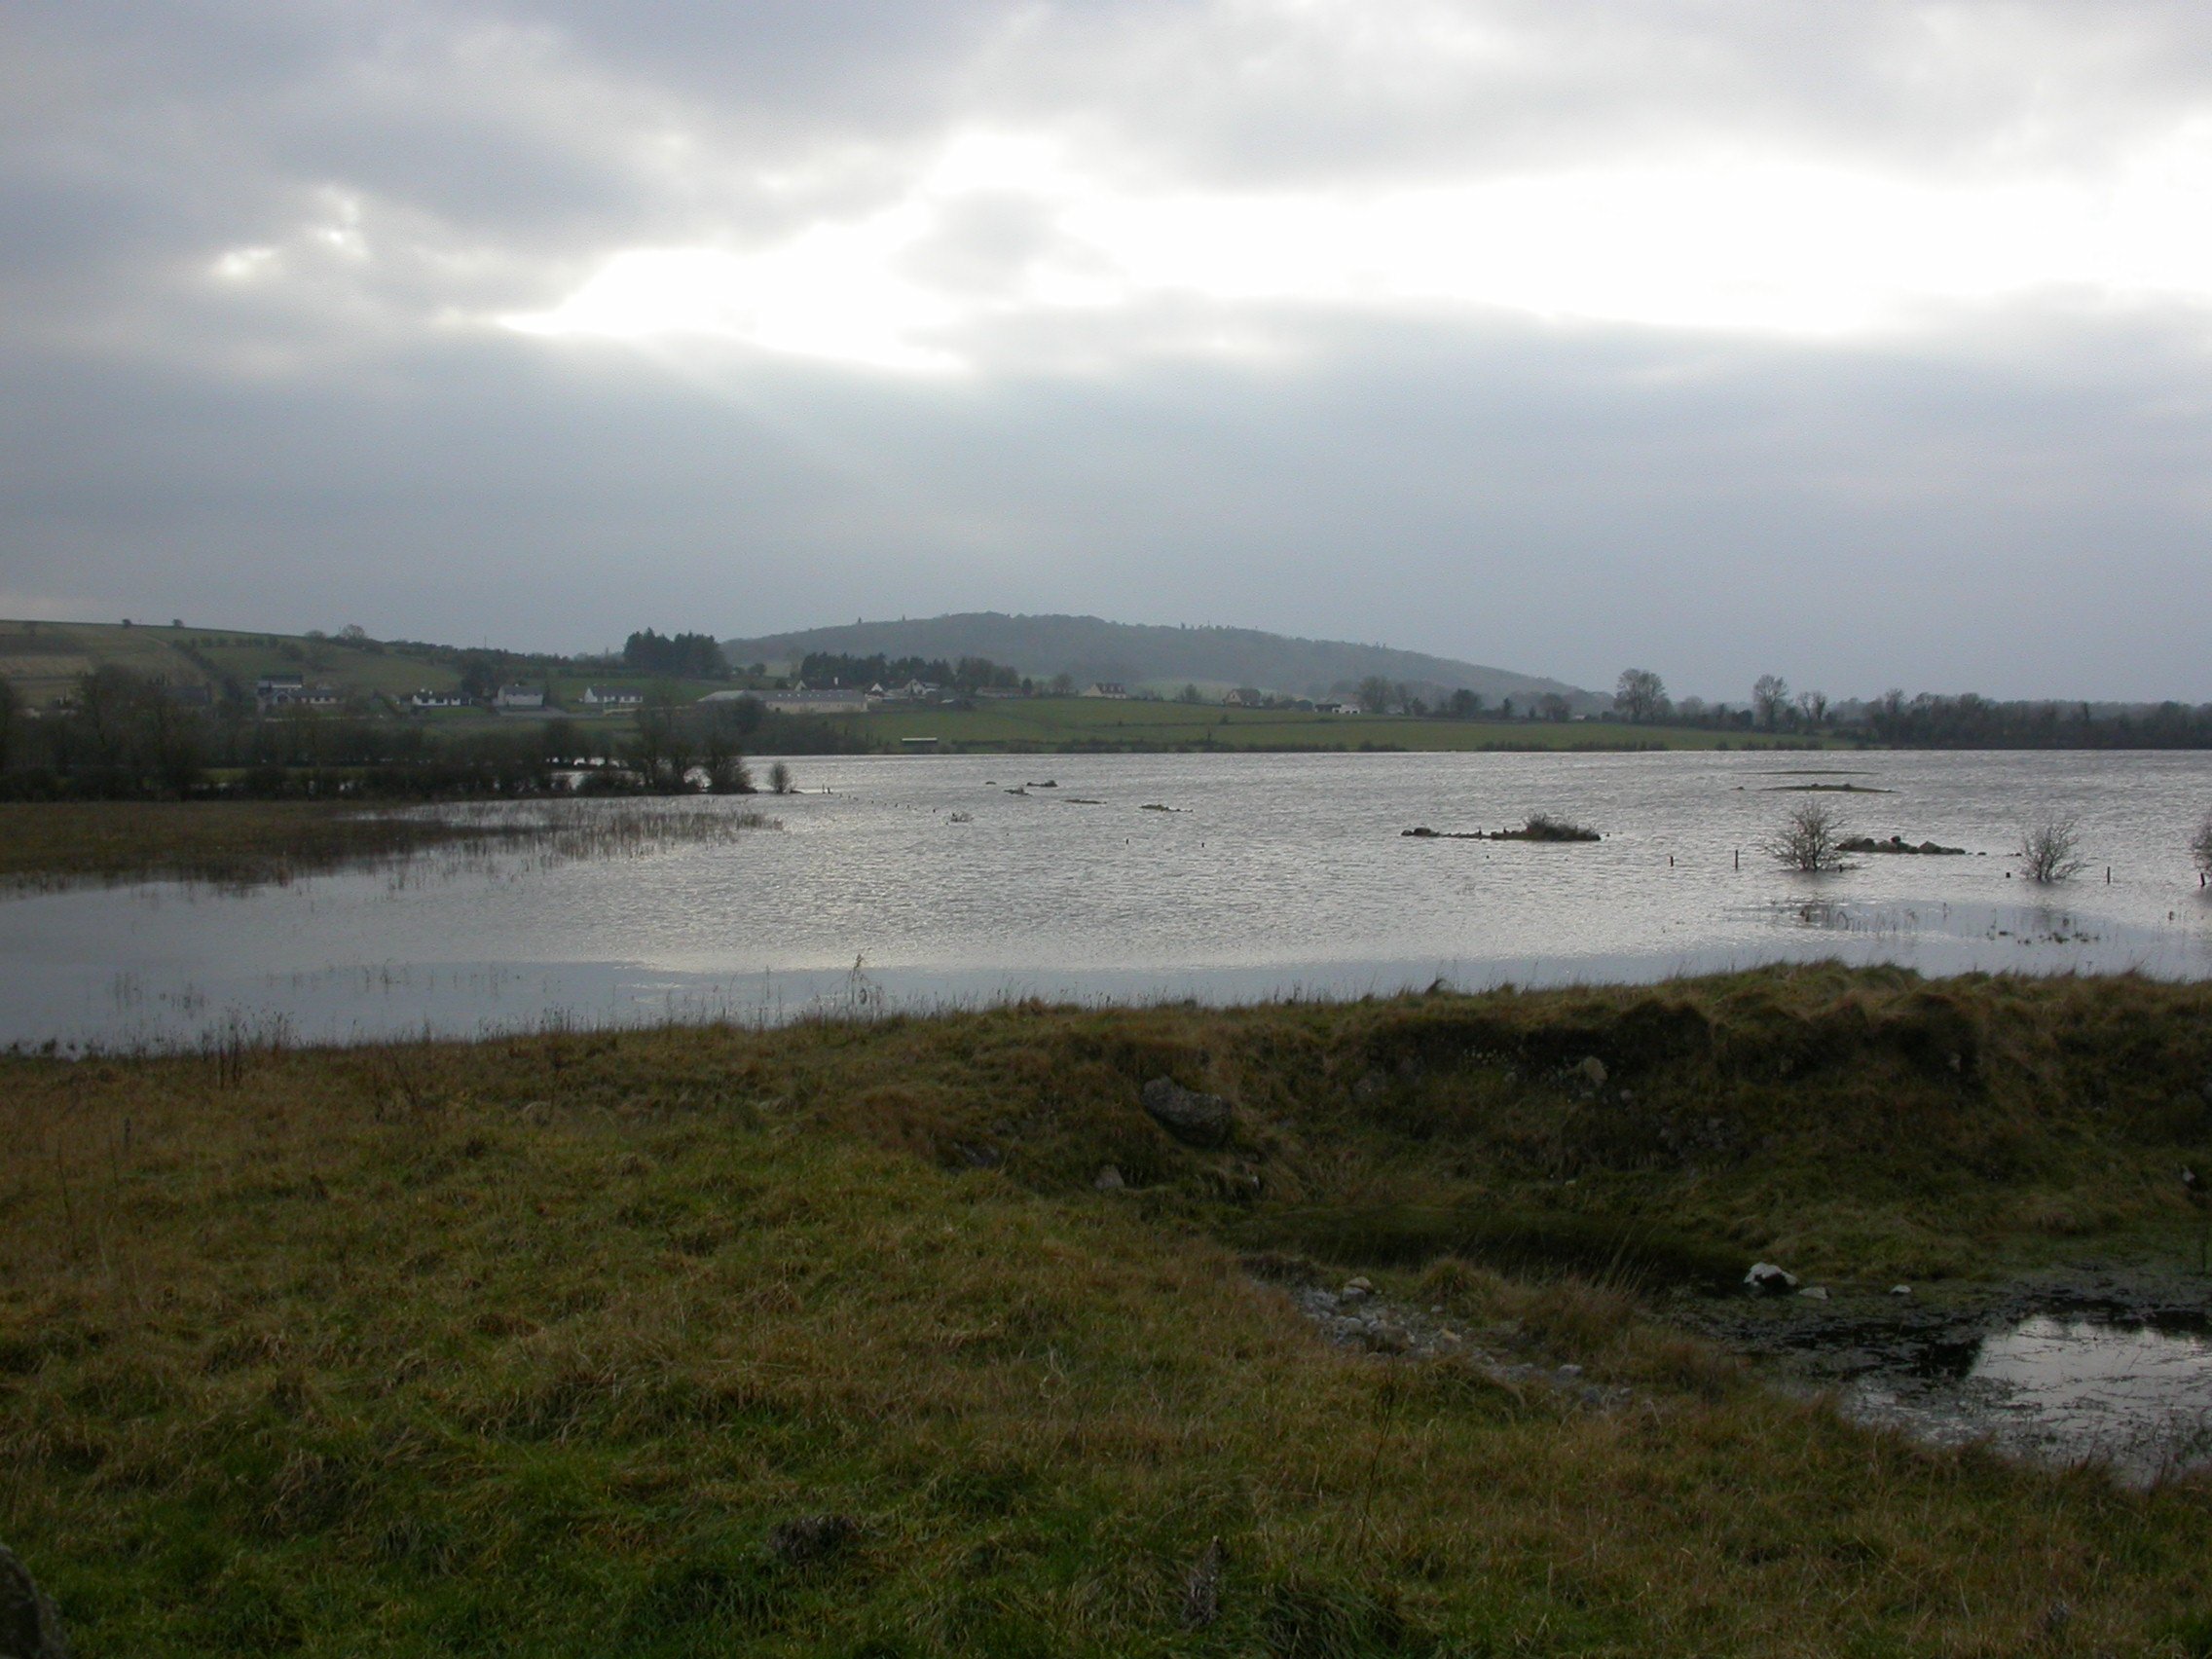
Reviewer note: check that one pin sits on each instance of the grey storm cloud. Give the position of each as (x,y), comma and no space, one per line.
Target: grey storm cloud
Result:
(269,273)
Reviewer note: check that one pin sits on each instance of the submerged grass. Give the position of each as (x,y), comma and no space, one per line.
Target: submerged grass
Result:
(570,1343)
(47,845)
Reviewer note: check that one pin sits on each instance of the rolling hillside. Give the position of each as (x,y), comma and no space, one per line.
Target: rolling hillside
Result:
(44,660)
(1088,649)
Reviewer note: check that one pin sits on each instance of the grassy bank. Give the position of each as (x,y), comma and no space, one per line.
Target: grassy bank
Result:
(1047,724)
(540,1345)
(61,843)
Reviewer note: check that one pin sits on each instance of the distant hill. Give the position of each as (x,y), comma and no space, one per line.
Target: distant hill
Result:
(1089,649)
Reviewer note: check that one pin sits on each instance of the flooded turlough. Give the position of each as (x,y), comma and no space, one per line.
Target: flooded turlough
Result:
(929,881)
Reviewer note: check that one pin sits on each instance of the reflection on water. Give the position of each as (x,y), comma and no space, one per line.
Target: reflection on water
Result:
(2060,1389)
(1223,878)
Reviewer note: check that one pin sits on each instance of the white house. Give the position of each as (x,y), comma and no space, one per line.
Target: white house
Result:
(836,700)
(520,696)
(1107,689)
(428,699)
(614,697)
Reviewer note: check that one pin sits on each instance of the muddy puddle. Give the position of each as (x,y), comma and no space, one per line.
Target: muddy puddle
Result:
(2059,1379)
(2066,1387)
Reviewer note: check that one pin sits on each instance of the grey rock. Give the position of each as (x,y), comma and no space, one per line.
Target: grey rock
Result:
(1201,1591)
(29,1626)
(1108,1180)
(1816,1292)
(1901,1290)
(1592,1071)
(1767,1280)
(811,1537)
(1201,1120)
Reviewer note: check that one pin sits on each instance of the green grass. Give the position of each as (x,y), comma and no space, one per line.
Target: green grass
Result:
(527,1347)
(31,658)
(1046,723)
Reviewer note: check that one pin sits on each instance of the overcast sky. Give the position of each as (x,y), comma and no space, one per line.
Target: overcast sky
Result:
(1861,342)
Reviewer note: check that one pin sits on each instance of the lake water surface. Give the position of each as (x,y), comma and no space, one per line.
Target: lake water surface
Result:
(1272,876)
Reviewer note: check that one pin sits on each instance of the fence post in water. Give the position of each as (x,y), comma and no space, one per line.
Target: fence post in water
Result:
(1739,858)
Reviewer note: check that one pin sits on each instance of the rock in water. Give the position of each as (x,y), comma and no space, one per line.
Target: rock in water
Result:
(1202,1119)
(29,1626)
(1767,1280)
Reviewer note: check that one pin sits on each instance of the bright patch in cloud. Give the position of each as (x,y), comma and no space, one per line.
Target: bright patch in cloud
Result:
(1762,245)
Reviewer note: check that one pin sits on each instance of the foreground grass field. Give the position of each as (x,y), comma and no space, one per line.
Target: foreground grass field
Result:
(557,1344)
(1040,725)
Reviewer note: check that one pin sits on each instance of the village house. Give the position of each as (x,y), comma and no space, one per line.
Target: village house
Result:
(289,691)
(426,699)
(520,696)
(1107,689)
(614,698)
(799,700)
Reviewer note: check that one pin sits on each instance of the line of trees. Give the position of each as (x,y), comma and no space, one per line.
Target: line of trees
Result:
(127,736)
(681,656)
(1926,720)
(968,674)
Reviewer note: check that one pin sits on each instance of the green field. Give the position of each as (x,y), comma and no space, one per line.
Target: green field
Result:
(822,1341)
(44,660)
(1046,723)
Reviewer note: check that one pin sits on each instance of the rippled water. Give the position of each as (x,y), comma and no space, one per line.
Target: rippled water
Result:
(1272,875)
(2063,1388)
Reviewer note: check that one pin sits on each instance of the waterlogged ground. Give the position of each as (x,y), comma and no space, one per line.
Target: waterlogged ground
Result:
(1221,877)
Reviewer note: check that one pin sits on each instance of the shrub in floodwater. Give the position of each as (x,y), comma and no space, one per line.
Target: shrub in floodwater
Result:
(2049,850)
(1810,838)
(780,778)
(2200,845)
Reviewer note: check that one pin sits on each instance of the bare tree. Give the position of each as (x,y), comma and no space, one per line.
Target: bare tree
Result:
(1641,694)
(2047,850)
(1770,696)
(1813,707)
(1810,838)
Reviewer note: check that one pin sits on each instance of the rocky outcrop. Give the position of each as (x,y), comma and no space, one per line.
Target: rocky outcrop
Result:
(1195,1119)
(1898,844)
(1359,1317)
(1767,1280)
(29,1626)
